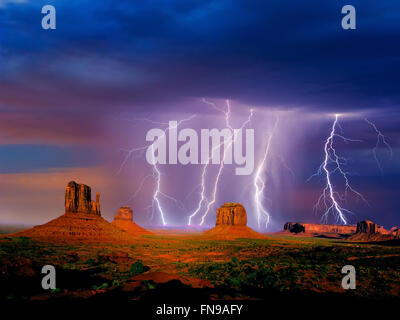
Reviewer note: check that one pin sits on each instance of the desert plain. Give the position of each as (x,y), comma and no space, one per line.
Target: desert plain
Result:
(96,260)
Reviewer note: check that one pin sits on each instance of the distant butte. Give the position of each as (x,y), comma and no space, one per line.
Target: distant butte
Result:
(297,227)
(231,223)
(363,231)
(369,231)
(124,220)
(81,222)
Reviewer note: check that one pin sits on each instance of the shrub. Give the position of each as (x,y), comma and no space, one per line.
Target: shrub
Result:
(137,268)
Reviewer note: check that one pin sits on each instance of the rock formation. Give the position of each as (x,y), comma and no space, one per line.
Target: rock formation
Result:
(363,230)
(396,233)
(369,231)
(366,227)
(231,223)
(78,199)
(296,227)
(124,213)
(124,220)
(232,214)
(81,221)
(382,230)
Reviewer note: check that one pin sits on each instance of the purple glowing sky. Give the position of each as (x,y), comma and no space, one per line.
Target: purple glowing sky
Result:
(71,101)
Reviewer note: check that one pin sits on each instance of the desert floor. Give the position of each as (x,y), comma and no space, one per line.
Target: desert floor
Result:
(175,265)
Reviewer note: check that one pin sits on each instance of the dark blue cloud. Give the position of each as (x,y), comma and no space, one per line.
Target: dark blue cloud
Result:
(37,158)
(282,53)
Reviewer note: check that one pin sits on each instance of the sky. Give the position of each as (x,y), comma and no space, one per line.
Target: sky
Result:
(74,101)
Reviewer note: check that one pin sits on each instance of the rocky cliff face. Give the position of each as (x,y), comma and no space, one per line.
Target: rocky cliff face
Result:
(78,199)
(297,227)
(329,228)
(367,227)
(369,231)
(364,231)
(231,214)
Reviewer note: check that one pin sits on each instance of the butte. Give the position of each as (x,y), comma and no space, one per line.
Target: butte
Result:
(124,220)
(81,222)
(231,223)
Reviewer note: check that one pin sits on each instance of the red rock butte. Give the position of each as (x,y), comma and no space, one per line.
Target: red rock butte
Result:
(124,220)
(369,231)
(81,222)
(78,198)
(297,227)
(363,231)
(231,223)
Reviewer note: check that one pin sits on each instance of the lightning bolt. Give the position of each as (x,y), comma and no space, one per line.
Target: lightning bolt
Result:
(380,138)
(156,175)
(259,183)
(332,163)
(203,197)
(221,167)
